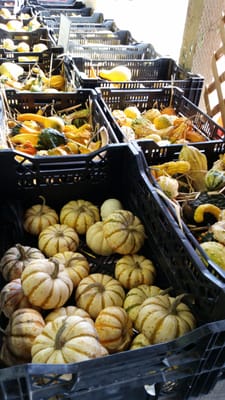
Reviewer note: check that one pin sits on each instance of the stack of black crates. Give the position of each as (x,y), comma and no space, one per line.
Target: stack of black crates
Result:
(181,369)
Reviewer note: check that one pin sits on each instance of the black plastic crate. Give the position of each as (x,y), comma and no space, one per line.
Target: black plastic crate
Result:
(113,52)
(28,58)
(42,35)
(56,12)
(25,102)
(120,37)
(112,99)
(152,73)
(182,363)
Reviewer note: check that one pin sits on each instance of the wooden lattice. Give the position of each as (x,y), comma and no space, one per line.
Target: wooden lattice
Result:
(214,93)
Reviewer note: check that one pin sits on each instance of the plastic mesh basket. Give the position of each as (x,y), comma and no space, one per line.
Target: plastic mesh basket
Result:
(118,172)
(150,73)
(144,99)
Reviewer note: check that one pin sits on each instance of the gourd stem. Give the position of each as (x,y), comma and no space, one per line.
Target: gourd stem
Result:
(98,285)
(176,302)
(165,291)
(56,269)
(58,338)
(21,250)
(43,202)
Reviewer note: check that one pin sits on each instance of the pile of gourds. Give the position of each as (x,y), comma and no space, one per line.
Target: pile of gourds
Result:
(198,189)
(58,310)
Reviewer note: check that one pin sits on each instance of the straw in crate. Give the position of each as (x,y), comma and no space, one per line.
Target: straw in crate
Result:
(51,124)
(117,172)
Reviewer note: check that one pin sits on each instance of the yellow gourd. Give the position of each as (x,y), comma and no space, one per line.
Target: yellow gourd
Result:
(118,74)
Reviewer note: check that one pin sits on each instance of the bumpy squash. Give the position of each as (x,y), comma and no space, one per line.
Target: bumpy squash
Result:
(67,340)
(133,270)
(214,179)
(114,328)
(15,259)
(79,214)
(162,318)
(124,232)
(46,283)
(58,238)
(98,291)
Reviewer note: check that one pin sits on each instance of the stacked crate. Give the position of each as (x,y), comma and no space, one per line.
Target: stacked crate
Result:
(183,368)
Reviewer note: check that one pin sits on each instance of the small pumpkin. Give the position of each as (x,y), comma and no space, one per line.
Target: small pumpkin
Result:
(67,340)
(76,265)
(46,283)
(80,215)
(114,328)
(98,291)
(133,270)
(16,258)
(23,326)
(96,241)
(38,217)
(162,318)
(214,179)
(58,238)
(136,296)
(124,232)
(67,312)
(12,298)
(139,341)
(109,206)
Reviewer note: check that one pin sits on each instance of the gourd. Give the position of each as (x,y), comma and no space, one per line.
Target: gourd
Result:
(96,241)
(98,291)
(12,298)
(133,270)
(114,328)
(23,326)
(75,264)
(169,186)
(124,232)
(58,238)
(119,73)
(67,312)
(16,258)
(136,296)
(49,138)
(198,166)
(214,179)
(218,231)
(162,318)
(46,283)
(139,341)
(67,340)
(108,206)
(215,251)
(53,122)
(79,214)
(38,217)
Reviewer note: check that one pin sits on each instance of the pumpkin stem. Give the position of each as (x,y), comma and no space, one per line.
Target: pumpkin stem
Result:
(166,291)
(22,251)
(56,269)
(43,202)
(177,301)
(97,285)
(59,343)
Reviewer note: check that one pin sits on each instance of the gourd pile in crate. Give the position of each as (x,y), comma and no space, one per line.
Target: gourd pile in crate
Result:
(66,115)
